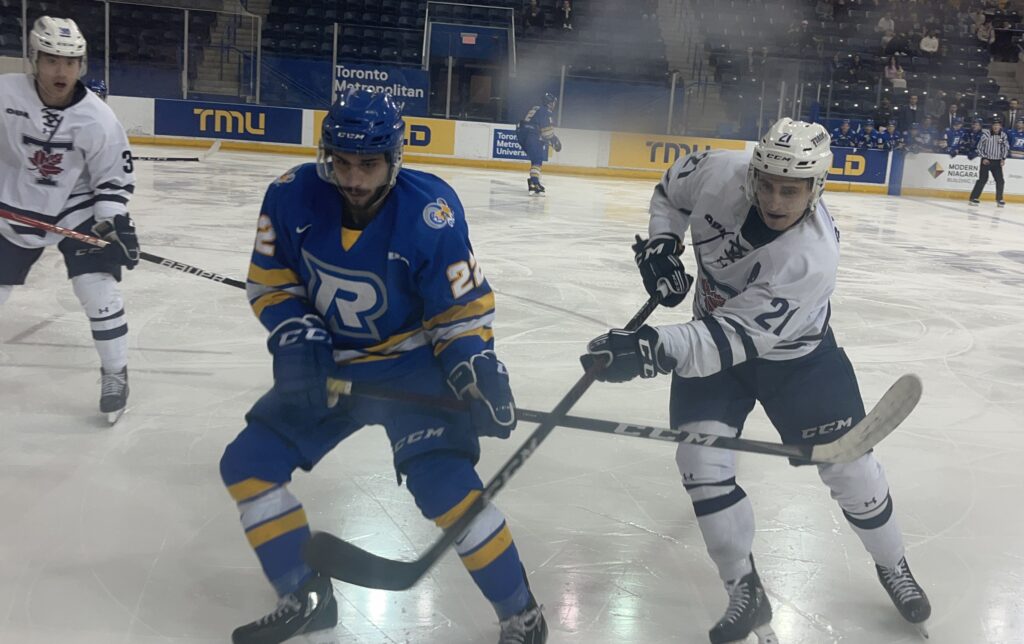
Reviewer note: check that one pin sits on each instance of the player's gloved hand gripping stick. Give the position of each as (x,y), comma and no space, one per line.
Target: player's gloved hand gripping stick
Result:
(340,559)
(102,243)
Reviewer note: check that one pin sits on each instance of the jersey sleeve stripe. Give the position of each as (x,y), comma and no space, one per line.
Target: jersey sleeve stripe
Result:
(721,341)
(749,349)
(270,299)
(110,185)
(115,198)
(272,276)
(480,306)
(486,334)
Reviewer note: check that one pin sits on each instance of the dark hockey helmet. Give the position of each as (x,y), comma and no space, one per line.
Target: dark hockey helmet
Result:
(98,87)
(550,100)
(362,122)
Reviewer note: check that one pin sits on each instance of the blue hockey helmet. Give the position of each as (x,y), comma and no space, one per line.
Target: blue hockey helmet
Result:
(958,121)
(550,100)
(362,122)
(98,87)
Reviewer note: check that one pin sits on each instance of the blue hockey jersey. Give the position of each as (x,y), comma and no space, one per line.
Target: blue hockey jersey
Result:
(539,122)
(404,293)
(841,140)
(1016,144)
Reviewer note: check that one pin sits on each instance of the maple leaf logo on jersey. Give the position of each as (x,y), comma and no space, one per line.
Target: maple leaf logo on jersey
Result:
(47,165)
(712,298)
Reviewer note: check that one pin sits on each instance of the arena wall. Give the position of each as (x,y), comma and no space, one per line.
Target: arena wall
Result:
(493,145)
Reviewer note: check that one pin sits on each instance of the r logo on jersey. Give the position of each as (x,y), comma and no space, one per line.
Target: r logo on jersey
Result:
(438,214)
(350,301)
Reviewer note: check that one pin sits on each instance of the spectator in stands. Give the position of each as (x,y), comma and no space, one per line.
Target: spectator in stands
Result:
(884,112)
(533,17)
(1013,112)
(929,45)
(894,73)
(855,70)
(565,10)
(885,24)
(986,34)
(952,116)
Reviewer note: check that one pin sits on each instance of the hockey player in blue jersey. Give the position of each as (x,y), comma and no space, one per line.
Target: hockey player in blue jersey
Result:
(1016,137)
(535,132)
(843,136)
(363,270)
(895,139)
(953,140)
(868,137)
(969,141)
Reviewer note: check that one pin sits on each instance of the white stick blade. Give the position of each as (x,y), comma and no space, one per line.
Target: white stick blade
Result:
(891,410)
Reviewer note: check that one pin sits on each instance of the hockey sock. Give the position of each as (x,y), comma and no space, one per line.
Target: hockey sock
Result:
(862,491)
(491,557)
(535,172)
(276,527)
(101,300)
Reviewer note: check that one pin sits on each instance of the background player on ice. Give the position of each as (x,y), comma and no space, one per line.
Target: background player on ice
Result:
(767,253)
(535,132)
(64,159)
(363,270)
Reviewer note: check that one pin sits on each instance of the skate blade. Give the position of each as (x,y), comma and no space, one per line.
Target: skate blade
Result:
(114,416)
(922,628)
(765,634)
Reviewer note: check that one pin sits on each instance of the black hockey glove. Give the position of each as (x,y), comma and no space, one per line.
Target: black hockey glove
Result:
(661,268)
(124,245)
(303,361)
(628,354)
(556,144)
(483,382)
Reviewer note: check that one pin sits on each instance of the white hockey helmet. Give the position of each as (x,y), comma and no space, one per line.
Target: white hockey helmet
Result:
(793,149)
(58,37)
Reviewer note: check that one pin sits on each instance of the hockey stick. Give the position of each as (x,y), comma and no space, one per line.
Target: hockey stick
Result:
(206,155)
(341,560)
(100,243)
(891,410)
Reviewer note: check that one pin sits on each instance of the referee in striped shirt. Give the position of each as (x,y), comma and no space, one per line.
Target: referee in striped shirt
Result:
(993,148)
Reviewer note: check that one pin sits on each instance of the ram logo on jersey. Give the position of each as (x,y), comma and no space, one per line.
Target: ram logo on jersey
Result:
(348,300)
(438,214)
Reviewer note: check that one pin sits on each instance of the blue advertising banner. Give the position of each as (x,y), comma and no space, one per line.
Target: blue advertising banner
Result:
(506,146)
(228,121)
(409,85)
(858,166)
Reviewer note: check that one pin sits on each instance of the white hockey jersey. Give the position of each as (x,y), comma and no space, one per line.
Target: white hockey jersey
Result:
(758,293)
(57,165)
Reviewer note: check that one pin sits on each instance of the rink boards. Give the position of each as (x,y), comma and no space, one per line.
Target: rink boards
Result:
(494,145)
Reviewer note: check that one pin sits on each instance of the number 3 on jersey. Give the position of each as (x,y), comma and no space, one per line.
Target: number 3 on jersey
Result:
(464,276)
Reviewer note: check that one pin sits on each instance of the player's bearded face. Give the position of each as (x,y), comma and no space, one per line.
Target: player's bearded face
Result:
(56,77)
(782,201)
(360,178)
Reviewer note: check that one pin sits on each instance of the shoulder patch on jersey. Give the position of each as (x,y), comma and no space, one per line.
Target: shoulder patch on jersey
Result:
(438,214)
(287,177)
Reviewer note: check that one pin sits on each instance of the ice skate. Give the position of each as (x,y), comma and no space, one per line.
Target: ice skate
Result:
(113,394)
(533,184)
(1000,203)
(311,608)
(973,202)
(906,594)
(748,612)
(528,627)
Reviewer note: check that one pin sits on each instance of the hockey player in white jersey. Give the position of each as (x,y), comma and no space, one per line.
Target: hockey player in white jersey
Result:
(65,160)
(767,252)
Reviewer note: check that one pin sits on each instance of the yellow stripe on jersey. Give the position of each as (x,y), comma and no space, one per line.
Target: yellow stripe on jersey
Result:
(487,553)
(274,529)
(244,490)
(547,132)
(486,334)
(270,299)
(349,237)
(451,516)
(477,307)
(272,276)
(373,358)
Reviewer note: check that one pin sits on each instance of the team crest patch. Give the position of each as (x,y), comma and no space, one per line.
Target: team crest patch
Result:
(287,177)
(438,214)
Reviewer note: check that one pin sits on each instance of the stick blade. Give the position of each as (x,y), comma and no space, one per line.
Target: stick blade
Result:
(213,150)
(339,559)
(883,419)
